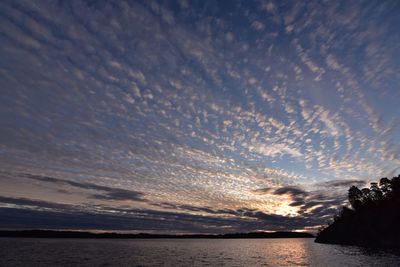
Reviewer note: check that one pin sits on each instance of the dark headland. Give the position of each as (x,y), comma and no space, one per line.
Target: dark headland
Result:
(79,234)
(373,219)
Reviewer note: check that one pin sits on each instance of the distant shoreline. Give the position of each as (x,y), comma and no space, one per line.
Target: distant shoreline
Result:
(112,235)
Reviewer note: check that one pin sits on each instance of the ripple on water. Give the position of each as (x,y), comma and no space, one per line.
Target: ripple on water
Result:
(186,252)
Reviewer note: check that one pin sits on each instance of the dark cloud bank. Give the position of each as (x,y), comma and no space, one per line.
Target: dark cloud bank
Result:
(315,208)
(107,193)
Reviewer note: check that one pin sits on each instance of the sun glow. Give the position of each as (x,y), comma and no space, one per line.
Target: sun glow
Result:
(285,209)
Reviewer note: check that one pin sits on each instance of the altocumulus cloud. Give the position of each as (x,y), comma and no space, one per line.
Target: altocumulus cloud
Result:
(160,113)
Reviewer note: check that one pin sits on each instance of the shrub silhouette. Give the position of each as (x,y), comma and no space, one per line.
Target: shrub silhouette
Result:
(372,220)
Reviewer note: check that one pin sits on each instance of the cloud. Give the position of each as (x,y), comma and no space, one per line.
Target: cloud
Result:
(262,191)
(342,183)
(290,190)
(108,218)
(109,193)
(33,202)
(318,204)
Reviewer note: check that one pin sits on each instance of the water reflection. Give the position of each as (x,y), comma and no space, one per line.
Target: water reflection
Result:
(191,252)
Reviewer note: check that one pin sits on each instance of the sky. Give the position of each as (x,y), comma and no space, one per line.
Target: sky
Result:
(194,116)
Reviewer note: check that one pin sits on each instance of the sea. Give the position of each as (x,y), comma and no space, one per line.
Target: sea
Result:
(187,252)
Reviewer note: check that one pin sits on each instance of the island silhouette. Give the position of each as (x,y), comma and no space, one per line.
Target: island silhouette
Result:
(372,220)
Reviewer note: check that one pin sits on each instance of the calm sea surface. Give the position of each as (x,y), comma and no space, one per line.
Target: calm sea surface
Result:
(186,252)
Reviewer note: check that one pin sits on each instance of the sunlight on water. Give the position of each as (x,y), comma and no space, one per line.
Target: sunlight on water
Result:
(190,252)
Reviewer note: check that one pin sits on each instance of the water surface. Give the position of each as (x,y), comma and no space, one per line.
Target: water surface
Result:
(186,252)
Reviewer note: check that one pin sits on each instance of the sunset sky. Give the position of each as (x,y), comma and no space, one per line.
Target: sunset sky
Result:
(194,116)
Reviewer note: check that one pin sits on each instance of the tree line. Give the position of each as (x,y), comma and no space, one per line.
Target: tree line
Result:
(372,220)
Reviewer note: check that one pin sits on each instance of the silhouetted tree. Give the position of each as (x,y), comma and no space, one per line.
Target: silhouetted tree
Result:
(373,219)
(385,185)
(355,197)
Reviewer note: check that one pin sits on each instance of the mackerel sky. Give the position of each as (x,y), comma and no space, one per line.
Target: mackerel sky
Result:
(194,116)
